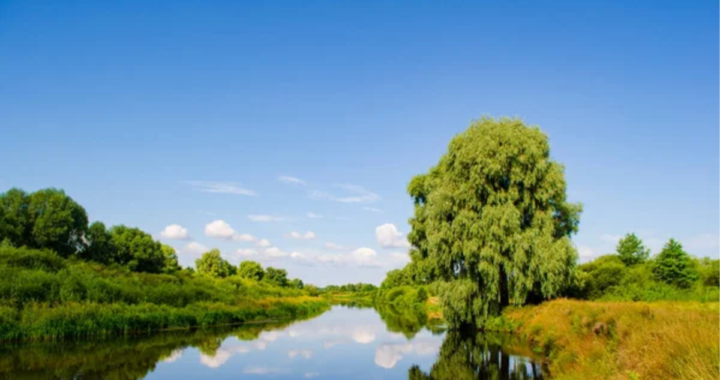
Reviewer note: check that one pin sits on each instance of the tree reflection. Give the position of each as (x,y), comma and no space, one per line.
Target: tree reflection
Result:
(466,356)
(118,358)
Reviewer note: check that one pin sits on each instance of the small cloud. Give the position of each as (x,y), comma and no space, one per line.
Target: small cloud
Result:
(244,237)
(314,216)
(309,375)
(292,180)
(265,218)
(300,236)
(243,252)
(174,232)
(388,236)
(263,243)
(274,252)
(354,194)
(194,248)
(219,229)
(373,209)
(220,188)
(333,246)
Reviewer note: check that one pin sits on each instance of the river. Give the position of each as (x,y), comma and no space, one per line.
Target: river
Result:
(342,343)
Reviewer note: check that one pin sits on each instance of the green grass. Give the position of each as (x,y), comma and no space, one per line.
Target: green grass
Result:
(43,296)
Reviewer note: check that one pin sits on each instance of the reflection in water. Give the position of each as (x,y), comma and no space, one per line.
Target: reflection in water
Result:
(348,343)
(480,356)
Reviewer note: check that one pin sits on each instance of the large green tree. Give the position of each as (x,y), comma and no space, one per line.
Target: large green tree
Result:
(212,264)
(171,264)
(137,250)
(47,218)
(492,220)
(251,269)
(675,266)
(98,244)
(631,250)
(276,276)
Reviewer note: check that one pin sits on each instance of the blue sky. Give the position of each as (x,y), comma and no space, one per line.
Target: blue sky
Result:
(162,114)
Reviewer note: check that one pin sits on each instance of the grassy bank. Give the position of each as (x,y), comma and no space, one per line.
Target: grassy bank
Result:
(621,340)
(43,296)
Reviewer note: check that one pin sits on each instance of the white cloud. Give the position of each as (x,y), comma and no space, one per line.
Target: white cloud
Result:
(274,252)
(175,355)
(244,237)
(388,236)
(309,375)
(194,248)
(388,354)
(363,334)
(222,230)
(219,229)
(220,357)
(263,243)
(298,255)
(305,353)
(265,218)
(333,246)
(313,215)
(364,256)
(306,236)
(374,209)
(175,232)
(354,194)
(292,180)
(220,187)
(244,252)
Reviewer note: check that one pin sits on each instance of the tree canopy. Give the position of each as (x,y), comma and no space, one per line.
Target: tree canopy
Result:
(493,221)
(47,218)
(137,249)
(674,266)
(212,264)
(276,276)
(251,269)
(631,250)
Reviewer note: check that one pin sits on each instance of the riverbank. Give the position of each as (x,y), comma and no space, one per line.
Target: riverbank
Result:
(44,296)
(621,340)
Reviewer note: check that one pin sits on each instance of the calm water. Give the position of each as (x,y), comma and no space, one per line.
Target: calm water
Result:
(343,343)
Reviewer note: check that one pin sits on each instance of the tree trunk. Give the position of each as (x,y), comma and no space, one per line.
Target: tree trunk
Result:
(504,291)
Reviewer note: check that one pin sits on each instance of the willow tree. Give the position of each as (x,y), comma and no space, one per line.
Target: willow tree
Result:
(492,221)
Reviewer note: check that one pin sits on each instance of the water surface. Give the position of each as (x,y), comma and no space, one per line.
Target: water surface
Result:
(343,343)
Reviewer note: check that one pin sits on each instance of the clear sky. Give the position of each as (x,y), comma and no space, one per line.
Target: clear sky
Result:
(188,113)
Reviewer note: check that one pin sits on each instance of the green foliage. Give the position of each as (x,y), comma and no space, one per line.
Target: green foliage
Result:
(296,283)
(709,271)
(99,245)
(252,270)
(44,295)
(674,266)
(171,260)
(137,250)
(492,216)
(44,219)
(631,250)
(276,276)
(212,264)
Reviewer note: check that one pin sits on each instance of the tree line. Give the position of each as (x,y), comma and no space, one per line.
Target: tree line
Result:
(50,219)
